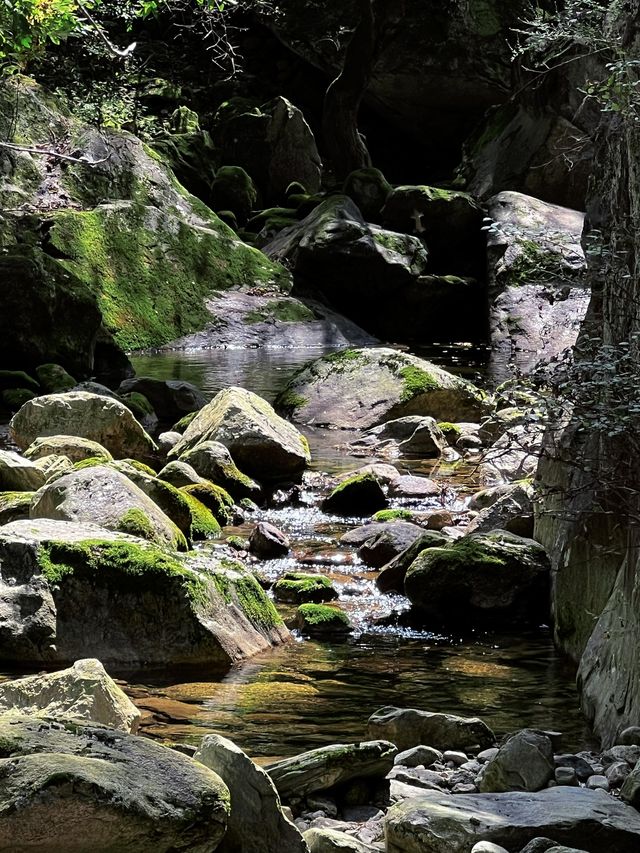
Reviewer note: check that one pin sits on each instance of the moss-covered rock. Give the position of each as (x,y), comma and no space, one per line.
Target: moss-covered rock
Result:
(215,498)
(300,587)
(203,524)
(321,620)
(494,577)
(125,601)
(392,574)
(361,388)
(212,460)
(360,494)
(14,506)
(74,447)
(18,379)
(369,189)
(234,190)
(14,398)
(54,379)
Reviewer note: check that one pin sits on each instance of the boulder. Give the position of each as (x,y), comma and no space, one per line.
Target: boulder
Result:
(410,436)
(511,511)
(445,823)
(515,455)
(267,542)
(83,414)
(18,474)
(495,576)
(388,543)
(630,792)
(69,590)
(87,787)
(262,443)
(393,573)
(537,288)
(14,506)
(418,756)
(170,398)
(523,763)
(212,460)
(179,474)
(407,727)
(322,621)
(83,692)
(334,841)
(324,768)
(256,822)
(361,494)
(75,448)
(301,587)
(272,141)
(368,189)
(103,496)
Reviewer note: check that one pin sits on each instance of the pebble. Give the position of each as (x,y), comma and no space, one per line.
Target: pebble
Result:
(598,782)
(453,757)
(566,776)
(582,767)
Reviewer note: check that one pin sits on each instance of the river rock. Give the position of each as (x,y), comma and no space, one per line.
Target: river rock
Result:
(82,692)
(408,727)
(493,576)
(75,448)
(180,474)
(515,455)
(267,542)
(361,388)
(80,413)
(388,543)
(14,506)
(334,841)
(18,474)
(417,756)
(324,768)
(104,496)
(445,823)
(523,763)
(538,295)
(212,460)
(263,444)
(256,822)
(322,621)
(392,575)
(93,788)
(299,587)
(170,398)
(410,436)
(361,494)
(69,590)
(512,511)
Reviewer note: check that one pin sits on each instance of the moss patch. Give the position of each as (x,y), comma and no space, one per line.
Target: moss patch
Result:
(136,523)
(258,609)
(302,587)
(416,381)
(218,501)
(181,425)
(323,618)
(118,564)
(385,515)
(203,523)
(283,310)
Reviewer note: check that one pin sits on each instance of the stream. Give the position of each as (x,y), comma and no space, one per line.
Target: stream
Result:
(307,694)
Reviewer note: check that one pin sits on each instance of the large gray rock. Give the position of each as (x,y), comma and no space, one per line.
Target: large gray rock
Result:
(18,474)
(212,460)
(392,574)
(495,576)
(80,413)
(359,267)
(82,692)
(523,763)
(69,590)
(358,389)
(630,791)
(104,496)
(170,398)
(444,823)
(393,539)
(538,296)
(262,443)
(334,841)
(272,141)
(256,822)
(515,455)
(409,436)
(75,448)
(407,727)
(90,788)
(328,766)
(511,511)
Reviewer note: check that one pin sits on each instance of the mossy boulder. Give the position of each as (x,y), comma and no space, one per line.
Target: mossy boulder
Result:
(80,413)
(215,498)
(388,543)
(102,495)
(301,587)
(74,447)
(54,379)
(361,494)
(203,523)
(409,727)
(19,474)
(13,379)
(361,388)
(493,578)
(212,460)
(180,474)
(321,620)
(125,601)
(105,790)
(262,443)
(14,398)
(392,573)
(369,189)
(14,506)
(234,190)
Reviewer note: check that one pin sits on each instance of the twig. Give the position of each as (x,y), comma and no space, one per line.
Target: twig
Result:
(48,153)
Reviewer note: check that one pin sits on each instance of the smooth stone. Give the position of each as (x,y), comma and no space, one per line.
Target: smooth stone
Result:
(332,841)
(417,756)
(595,782)
(407,727)
(566,776)
(487,847)
(267,542)
(18,474)
(523,763)
(454,757)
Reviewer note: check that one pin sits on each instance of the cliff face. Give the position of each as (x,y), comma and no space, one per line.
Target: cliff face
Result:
(589,517)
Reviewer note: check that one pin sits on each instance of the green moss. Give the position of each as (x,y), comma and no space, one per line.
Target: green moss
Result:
(449,429)
(288,401)
(140,466)
(203,523)
(15,398)
(535,264)
(215,498)
(416,381)
(181,425)
(385,515)
(90,462)
(118,564)
(356,479)
(14,505)
(465,552)
(151,271)
(301,586)
(258,608)
(138,403)
(321,615)
(284,310)
(237,543)
(137,523)
(343,357)
(17,379)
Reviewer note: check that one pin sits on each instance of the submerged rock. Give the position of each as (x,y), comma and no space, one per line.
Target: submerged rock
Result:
(87,787)
(358,389)
(83,692)
(324,768)
(262,443)
(408,727)
(80,413)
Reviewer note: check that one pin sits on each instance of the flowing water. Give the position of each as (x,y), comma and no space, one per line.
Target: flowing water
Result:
(305,693)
